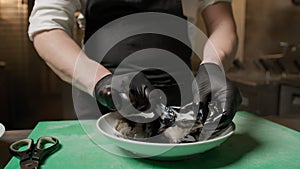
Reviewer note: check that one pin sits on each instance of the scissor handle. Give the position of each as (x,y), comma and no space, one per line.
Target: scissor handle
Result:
(15,148)
(44,146)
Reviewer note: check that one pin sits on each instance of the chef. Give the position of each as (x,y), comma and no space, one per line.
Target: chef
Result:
(50,29)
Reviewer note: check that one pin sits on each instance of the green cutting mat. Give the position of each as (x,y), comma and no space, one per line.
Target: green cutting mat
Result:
(257,143)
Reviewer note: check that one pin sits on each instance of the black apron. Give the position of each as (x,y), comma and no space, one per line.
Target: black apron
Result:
(101,12)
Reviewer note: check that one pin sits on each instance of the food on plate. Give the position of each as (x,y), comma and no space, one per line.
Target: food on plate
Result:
(186,128)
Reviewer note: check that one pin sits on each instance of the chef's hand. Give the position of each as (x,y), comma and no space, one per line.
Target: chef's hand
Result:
(219,98)
(137,94)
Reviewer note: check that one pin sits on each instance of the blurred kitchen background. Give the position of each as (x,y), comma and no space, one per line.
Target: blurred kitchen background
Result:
(266,69)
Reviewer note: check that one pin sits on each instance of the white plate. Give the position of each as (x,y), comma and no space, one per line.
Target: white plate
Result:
(160,151)
(2,130)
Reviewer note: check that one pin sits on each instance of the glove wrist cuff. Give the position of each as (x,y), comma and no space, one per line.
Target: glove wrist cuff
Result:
(100,83)
(210,64)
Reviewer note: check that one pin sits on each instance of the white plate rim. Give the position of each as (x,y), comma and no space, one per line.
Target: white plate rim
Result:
(2,130)
(161,144)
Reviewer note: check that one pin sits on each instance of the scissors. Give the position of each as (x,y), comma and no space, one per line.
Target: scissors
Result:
(31,154)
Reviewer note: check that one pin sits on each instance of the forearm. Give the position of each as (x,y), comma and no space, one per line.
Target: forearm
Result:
(221,48)
(66,59)
(222,44)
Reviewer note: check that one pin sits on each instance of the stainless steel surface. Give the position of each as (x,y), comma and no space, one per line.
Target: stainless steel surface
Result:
(289,101)
(261,99)
(270,85)
(270,97)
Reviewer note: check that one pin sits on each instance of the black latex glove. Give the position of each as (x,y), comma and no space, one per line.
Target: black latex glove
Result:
(219,98)
(139,88)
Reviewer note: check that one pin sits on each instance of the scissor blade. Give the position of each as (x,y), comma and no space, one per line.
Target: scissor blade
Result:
(29,164)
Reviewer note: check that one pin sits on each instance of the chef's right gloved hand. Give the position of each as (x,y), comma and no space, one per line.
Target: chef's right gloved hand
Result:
(219,97)
(137,94)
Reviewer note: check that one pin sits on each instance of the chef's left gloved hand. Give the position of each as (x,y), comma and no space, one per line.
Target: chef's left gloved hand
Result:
(219,98)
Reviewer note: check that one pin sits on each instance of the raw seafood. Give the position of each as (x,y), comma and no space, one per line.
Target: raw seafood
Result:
(186,128)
